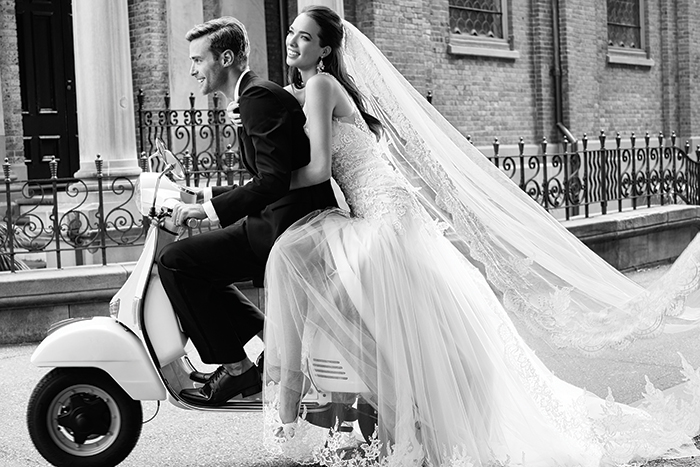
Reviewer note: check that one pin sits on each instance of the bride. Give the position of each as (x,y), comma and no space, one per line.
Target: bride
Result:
(420,284)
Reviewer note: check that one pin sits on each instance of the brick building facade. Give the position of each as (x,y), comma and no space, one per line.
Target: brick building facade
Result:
(490,96)
(553,69)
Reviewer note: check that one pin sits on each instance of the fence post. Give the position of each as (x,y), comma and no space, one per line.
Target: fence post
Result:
(647,151)
(618,175)
(674,151)
(633,152)
(696,170)
(545,180)
(586,181)
(187,162)
(102,224)
(676,178)
(496,146)
(53,167)
(10,230)
(661,167)
(168,121)
(521,150)
(217,133)
(565,146)
(139,99)
(603,174)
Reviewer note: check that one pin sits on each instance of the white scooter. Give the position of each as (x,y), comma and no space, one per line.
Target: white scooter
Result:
(87,410)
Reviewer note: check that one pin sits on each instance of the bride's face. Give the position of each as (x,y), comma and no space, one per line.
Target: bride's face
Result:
(303,43)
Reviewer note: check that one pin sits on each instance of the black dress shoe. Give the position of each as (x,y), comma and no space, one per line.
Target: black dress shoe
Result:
(199,377)
(222,386)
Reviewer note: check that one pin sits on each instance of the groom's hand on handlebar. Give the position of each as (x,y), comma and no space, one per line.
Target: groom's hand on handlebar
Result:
(182,212)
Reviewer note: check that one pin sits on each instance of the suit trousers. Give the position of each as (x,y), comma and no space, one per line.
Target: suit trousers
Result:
(198,273)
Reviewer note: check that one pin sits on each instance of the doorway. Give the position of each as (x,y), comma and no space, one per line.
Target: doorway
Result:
(47,81)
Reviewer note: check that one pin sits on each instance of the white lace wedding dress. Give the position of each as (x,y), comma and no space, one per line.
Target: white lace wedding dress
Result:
(452,380)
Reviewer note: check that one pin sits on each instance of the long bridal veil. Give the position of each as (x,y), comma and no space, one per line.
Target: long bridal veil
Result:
(560,289)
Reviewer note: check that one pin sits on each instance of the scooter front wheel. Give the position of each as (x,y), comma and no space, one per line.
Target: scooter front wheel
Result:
(81,417)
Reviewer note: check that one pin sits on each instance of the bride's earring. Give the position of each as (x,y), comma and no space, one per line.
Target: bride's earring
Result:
(319,66)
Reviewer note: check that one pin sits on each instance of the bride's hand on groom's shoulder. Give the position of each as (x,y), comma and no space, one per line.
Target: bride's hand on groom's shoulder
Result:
(233,113)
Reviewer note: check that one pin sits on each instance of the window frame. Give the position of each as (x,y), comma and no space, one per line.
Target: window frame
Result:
(641,56)
(482,46)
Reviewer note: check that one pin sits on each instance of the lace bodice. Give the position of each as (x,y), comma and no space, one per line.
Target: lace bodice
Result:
(372,187)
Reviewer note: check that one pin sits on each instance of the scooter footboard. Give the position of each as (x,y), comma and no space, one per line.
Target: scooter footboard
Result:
(102,342)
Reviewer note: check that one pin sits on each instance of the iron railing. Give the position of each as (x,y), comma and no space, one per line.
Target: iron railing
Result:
(70,223)
(205,140)
(591,181)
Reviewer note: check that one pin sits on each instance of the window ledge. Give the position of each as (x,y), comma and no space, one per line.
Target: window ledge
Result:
(479,46)
(620,56)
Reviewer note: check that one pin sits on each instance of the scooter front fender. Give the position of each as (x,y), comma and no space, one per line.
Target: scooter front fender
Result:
(102,342)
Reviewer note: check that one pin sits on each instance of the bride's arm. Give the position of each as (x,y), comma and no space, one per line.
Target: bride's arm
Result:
(319,105)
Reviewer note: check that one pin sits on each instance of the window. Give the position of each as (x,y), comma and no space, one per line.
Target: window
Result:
(626,33)
(624,24)
(480,28)
(476,18)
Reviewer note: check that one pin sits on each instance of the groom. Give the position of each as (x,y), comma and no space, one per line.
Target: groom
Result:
(198,272)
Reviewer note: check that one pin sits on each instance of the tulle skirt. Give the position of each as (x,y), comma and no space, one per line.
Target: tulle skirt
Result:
(452,381)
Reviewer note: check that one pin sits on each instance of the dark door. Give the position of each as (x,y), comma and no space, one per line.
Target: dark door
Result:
(47,76)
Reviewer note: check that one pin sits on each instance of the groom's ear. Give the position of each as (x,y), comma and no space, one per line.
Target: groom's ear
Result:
(227,58)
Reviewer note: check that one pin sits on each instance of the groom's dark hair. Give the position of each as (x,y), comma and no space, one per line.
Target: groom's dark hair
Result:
(225,33)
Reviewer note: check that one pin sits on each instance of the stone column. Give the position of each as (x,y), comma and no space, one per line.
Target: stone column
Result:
(104,92)
(336,5)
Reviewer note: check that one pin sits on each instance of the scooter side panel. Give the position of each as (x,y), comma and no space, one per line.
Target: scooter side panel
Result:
(103,343)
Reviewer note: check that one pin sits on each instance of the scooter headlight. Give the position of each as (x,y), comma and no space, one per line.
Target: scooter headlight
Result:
(114,308)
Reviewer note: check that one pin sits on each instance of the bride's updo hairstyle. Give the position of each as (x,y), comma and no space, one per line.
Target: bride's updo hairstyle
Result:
(331,35)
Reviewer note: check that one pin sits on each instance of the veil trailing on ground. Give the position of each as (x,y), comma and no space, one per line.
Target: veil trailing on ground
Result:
(564,292)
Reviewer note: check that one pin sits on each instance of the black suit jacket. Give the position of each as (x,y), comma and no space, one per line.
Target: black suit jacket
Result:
(273,143)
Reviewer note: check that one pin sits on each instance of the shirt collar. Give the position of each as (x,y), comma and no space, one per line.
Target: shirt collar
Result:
(236,90)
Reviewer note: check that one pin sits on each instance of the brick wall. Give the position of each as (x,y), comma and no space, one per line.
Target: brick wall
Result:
(11,96)
(149,49)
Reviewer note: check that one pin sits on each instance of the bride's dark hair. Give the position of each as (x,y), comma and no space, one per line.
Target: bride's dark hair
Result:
(331,35)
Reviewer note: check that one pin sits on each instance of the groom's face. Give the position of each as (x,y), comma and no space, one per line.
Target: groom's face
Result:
(206,69)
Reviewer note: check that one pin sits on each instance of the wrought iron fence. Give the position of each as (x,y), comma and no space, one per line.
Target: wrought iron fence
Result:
(590,181)
(69,222)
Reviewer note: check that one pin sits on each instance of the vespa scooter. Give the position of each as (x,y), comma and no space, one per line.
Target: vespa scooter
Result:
(87,411)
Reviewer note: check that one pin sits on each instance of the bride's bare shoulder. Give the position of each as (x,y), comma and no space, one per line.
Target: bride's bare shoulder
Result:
(324,84)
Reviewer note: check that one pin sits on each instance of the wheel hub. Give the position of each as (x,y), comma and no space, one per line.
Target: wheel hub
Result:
(85,416)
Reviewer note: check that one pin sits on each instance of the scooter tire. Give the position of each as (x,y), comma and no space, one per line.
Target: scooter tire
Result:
(80,417)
